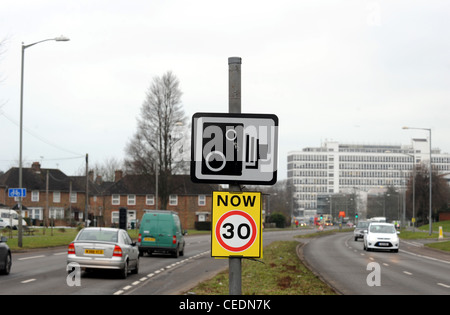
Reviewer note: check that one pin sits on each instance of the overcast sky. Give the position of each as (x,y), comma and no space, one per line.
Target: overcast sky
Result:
(351,71)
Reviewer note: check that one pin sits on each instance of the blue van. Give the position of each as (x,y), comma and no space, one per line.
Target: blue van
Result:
(160,231)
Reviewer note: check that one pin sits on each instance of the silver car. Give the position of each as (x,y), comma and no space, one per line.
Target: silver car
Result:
(359,229)
(104,248)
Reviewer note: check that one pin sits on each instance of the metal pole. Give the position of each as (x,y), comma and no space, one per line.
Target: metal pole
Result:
(58,39)
(431,197)
(86,201)
(19,241)
(234,87)
(234,106)
(414,193)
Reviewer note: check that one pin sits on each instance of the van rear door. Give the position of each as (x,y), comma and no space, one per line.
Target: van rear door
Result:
(149,230)
(165,230)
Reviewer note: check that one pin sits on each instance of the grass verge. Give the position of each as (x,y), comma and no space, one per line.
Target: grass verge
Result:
(280,272)
(45,237)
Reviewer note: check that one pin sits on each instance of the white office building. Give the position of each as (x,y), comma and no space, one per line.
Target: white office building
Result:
(336,168)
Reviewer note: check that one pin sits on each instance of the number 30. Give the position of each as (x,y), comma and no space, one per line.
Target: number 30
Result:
(230,231)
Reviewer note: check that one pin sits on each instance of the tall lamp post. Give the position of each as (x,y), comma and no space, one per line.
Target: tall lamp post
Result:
(58,39)
(431,174)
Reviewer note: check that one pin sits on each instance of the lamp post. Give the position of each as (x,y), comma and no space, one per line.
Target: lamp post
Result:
(58,39)
(413,188)
(431,174)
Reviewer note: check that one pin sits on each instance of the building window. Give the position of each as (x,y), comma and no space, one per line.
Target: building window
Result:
(201,200)
(35,213)
(115,199)
(115,217)
(150,200)
(35,196)
(131,200)
(73,197)
(56,213)
(173,200)
(56,196)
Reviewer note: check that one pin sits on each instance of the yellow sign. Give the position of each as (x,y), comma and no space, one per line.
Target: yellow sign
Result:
(236,224)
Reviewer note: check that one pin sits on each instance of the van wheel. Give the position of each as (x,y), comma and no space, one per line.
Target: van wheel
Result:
(176,253)
(182,252)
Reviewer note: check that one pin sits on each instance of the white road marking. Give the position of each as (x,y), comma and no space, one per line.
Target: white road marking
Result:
(31,257)
(28,281)
(157,272)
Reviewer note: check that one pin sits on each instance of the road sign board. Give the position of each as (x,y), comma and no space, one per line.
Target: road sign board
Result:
(234,148)
(17,192)
(236,224)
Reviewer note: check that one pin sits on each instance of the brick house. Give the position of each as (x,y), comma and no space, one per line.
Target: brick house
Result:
(51,194)
(137,194)
(64,200)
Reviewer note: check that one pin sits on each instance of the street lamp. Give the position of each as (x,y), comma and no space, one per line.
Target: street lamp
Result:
(57,39)
(431,172)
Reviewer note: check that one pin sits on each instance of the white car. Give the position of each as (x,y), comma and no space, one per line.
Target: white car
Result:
(3,223)
(381,236)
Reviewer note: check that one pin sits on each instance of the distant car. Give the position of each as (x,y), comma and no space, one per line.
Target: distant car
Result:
(381,236)
(5,257)
(359,229)
(104,248)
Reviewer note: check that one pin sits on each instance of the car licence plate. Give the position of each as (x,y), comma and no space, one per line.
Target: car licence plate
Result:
(94,251)
(383,244)
(149,239)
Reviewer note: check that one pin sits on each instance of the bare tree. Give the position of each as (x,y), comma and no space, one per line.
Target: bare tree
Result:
(154,144)
(107,169)
(440,194)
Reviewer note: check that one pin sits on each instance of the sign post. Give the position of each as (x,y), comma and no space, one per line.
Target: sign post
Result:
(234,106)
(234,148)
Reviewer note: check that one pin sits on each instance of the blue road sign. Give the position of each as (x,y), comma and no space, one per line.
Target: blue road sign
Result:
(17,192)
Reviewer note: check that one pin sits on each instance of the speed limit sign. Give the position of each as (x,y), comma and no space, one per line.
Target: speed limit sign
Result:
(236,225)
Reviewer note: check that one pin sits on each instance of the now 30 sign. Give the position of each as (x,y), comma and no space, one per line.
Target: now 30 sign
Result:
(236,224)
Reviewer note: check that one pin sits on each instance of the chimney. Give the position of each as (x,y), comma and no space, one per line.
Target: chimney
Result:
(91,175)
(118,175)
(99,180)
(36,167)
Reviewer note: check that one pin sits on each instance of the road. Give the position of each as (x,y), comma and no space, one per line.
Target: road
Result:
(344,264)
(44,271)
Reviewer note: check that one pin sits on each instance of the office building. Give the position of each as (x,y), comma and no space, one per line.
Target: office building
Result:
(335,168)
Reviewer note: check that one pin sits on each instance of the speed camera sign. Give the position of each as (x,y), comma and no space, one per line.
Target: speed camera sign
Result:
(236,225)
(234,148)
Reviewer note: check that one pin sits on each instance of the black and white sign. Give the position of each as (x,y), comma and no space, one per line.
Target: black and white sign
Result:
(234,148)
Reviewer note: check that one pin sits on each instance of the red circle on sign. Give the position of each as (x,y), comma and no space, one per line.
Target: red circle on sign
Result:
(246,245)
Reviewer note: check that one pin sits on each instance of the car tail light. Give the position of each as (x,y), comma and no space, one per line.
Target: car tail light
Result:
(71,249)
(174,240)
(117,251)
(140,238)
